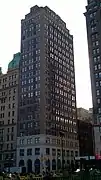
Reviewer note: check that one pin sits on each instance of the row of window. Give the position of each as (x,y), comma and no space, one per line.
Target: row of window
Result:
(7,156)
(13,77)
(98,75)
(27,59)
(10,137)
(48,141)
(97,67)
(30,141)
(62,30)
(9,122)
(9,85)
(8,130)
(48,152)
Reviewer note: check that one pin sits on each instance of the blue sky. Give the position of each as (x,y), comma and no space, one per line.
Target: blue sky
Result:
(71,11)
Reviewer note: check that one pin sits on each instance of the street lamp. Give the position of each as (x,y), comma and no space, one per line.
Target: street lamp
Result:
(62,135)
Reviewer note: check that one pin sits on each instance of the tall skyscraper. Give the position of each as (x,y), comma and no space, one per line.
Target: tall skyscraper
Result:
(93,21)
(47,95)
(8,113)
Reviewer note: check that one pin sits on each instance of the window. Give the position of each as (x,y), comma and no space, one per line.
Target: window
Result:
(53,141)
(7,137)
(12,129)
(67,153)
(11,146)
(95,67)
(100,74)
(94,51)
(8,130)
(97,84)
(13,106)
(37,140)
(21,153)
(53,152)
(13,97)
(29,152)
(37,151)
(8,121)
(12,137)
(98,51)
(72,153)
(99,110)
(98,92)
(21,141)
(97,43)
(98,101)
(47,140)
(8,114)
(29,141)
(94,59)
(96,75)
(99,66)
(76,153)
(47,151)
(99,129)
(14,90)
(12,113)
(0,156)
(12,121)
(7,146)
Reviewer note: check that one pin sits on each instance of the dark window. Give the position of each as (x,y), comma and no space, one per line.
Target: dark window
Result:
(12,121)
(8,130)
(21,153)
(7,137)
(47,151)
(7,146)
(12,113)
(29,152)
(53,152)
(64,152)
(67,153)
(12,129)
(72,153)
(37,151)
(8,114)
(14,90)
(11,146)
(0,156)
(6,156)
(76,153)
(58,152)
(13,97)
(13,105)
(12,137)
(8,121)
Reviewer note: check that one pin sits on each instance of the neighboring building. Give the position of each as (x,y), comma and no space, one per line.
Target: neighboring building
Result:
(47,95)
(93,21)
(8,113)
(85,132)
(84,114)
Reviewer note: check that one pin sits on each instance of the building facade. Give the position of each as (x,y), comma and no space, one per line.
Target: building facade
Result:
(8,113)
(85,133)
(47,95)
(93,21)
